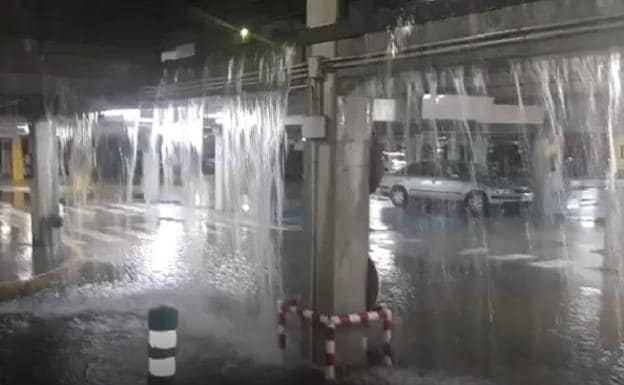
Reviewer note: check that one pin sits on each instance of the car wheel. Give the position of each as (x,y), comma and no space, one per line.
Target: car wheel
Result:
(399,196)
(476,204)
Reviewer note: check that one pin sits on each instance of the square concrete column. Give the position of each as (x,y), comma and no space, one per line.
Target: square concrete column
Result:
(341,222)
(18,160)
(45,196)
(547,162)
(17,152)
(614,243)
(151,174)
(336,175)
(219,164)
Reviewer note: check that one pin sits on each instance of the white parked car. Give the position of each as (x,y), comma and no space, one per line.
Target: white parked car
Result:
(454,181)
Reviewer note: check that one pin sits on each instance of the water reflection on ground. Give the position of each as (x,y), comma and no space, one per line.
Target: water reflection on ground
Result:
(505,300)
(508,298)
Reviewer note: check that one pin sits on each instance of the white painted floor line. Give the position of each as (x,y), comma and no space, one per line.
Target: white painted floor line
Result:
(112,210)
(115,211)
(249,223)
(511,257)
(411,240)
(552,264)
(220,225)
(135,209)
(100,236)
(69,241)
(81,210)
(473,251)
(146,227)
(123,231)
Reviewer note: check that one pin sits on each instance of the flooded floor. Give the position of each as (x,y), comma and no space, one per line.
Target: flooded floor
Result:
(505,300)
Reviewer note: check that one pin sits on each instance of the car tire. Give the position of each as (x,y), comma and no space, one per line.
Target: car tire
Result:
(399,196)
(476,204)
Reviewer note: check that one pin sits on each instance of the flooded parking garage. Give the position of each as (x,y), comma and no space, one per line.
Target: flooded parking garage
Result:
(475,163)
(525,309)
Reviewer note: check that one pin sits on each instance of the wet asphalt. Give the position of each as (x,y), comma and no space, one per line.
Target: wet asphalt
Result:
(503,300)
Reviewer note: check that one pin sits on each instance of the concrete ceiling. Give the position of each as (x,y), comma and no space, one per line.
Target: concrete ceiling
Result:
(110,48)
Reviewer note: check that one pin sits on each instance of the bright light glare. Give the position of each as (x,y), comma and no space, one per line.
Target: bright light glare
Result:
(244,32)
(219,117)
(588,224)
(23,128)
(128,114)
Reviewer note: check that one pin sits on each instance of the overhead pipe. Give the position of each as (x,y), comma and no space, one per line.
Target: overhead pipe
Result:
(485,40)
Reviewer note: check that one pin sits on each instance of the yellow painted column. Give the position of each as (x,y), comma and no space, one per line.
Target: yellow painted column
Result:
(18,172)
(18,160)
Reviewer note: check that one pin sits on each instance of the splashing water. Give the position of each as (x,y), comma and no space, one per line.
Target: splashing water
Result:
(179,127)
(76,138)
(254,150)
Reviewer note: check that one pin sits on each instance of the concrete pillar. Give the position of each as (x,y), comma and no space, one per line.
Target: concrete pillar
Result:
(45,197)
(17,152)
(6,159)
(480,149)
(548,174)
(337,198)
(18,160)
(413,136)
(614,242)
(151,174)
(219,163)
(390,138)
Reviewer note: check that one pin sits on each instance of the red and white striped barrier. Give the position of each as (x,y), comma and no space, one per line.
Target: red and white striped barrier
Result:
(331,323)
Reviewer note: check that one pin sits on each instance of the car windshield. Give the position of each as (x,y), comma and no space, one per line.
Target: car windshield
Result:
(463,170)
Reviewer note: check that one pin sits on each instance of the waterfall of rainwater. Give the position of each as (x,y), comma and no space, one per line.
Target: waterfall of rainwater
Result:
(179,128)
(77,154)
(130,159)
(253,153)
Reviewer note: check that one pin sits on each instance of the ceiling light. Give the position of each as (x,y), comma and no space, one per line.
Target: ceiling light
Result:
(244,32)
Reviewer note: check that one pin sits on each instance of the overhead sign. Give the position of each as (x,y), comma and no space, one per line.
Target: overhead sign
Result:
(480,109)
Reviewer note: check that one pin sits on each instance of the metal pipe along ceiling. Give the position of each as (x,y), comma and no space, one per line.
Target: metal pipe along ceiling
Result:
(490,39)
(484,40)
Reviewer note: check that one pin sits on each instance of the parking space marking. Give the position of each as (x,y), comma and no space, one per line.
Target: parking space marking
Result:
(135,209)
(100,236)
(511,257)
(81,210)
(552,264)
(70,241)
(124,230)
(473,251)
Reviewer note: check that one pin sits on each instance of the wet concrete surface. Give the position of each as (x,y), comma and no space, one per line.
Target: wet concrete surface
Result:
(507,298)
(503,300)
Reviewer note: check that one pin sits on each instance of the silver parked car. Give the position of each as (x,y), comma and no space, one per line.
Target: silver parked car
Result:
(454,181)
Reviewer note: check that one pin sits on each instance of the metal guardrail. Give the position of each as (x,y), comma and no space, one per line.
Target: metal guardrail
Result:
(222,85)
